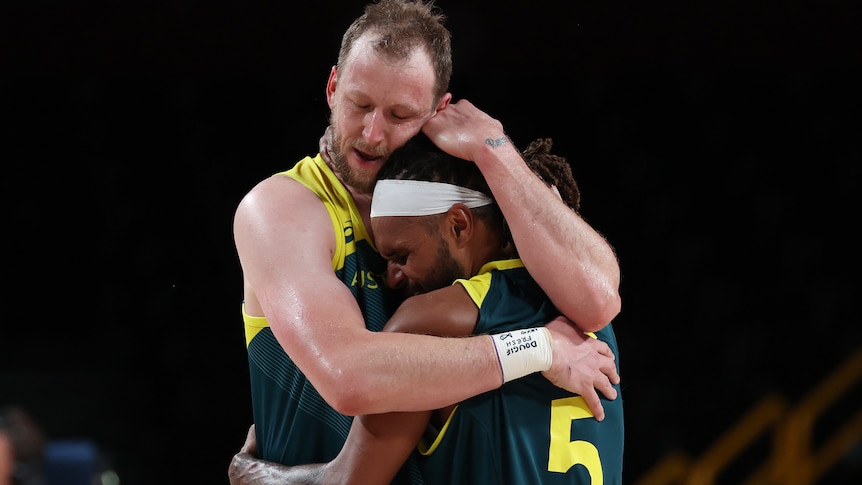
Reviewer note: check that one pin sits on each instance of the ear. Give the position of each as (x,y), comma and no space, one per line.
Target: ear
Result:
(444,101)
(459,224)
(330,85)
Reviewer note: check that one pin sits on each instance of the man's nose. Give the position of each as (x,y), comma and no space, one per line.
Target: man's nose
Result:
(394,276)
(375,127)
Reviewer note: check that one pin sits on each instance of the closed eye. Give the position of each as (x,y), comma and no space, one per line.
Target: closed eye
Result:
(399,259)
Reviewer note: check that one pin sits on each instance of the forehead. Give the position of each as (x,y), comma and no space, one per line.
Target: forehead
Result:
(408,81)
(399,233)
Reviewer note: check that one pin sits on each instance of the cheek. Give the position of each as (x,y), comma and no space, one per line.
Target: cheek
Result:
(348,119)
(411,271)
(400,133)
(417,270)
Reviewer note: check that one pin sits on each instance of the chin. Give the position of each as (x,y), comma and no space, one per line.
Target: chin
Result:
(414,290)
(366,169)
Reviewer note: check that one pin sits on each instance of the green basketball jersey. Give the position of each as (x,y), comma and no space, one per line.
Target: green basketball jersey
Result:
(529,431)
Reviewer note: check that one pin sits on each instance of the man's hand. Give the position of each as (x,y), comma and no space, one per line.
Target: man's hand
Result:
(462,130)
(247,469)
(244,465)
(582,364)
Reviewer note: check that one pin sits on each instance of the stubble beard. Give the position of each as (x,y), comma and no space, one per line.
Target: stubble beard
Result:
(361,181)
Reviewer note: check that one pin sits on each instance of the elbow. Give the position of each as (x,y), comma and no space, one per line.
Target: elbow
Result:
(608,311)
(350,403)
(349,394)
(604,311)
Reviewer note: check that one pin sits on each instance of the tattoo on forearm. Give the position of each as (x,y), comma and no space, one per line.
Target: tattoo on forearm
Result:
(496,142)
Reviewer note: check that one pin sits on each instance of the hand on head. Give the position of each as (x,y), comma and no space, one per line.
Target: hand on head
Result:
(461,129)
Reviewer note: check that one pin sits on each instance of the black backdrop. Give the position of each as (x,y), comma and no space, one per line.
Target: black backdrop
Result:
(716,147)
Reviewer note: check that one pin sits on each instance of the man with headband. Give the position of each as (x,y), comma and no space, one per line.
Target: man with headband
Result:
(435,222)
(313,302)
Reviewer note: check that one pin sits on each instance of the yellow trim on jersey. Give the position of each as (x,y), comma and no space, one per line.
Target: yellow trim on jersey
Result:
(427,450)
(477,286)
(253,325)
(315,174)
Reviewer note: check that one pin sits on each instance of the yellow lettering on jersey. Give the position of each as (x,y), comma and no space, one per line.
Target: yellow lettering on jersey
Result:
(563,453)
(349,240)
(365,279)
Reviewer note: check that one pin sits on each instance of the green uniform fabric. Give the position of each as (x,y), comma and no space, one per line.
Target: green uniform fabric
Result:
(529,431)
(294,425)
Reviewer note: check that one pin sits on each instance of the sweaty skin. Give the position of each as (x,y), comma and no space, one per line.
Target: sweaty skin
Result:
(288,251)
(378,444)
(285,242)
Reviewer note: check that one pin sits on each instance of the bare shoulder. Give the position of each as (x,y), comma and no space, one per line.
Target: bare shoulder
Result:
(276,192)
(278,201)
(281,221)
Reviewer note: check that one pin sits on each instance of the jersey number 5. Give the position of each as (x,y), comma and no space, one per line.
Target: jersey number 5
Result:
(563,453)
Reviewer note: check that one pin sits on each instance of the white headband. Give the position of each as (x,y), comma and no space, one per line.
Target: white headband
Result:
(421,198)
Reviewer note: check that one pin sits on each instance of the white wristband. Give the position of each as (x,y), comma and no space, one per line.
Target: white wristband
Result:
(522,352)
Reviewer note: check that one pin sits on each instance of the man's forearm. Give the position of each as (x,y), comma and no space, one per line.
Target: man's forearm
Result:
(245,469)
(574,264)
(570,260)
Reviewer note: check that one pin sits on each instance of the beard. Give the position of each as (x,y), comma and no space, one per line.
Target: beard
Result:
(361,180)
(446,270)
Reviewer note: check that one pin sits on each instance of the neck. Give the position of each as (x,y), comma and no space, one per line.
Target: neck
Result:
(491,250)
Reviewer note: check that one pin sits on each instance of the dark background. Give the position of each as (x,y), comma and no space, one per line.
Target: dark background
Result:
(716,145)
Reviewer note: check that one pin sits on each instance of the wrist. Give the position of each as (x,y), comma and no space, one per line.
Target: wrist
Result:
(523,352)
(495,150)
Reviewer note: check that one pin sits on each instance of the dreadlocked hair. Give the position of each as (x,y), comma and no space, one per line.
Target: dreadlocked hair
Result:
(554,170)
